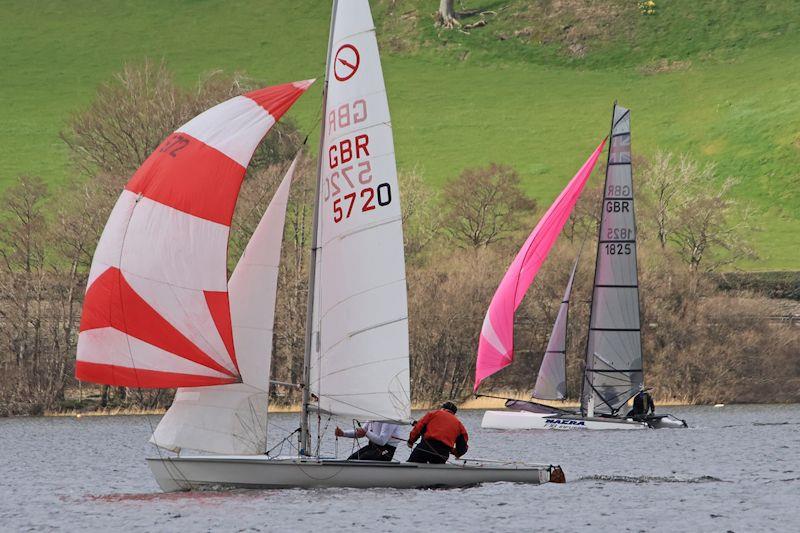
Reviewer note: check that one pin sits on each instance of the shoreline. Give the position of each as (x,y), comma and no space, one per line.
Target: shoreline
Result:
(472,404)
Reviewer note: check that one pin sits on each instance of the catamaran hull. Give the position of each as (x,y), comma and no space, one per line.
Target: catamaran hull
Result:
(666,422)
(210,472)
(528,420)
(525,420)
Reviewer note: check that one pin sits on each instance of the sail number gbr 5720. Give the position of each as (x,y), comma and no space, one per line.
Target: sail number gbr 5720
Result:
(350,186)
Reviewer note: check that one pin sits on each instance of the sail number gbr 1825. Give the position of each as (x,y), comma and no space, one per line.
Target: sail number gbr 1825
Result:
(618,248)
(612,233)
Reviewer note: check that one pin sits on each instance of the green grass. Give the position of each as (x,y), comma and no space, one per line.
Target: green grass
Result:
(457,100)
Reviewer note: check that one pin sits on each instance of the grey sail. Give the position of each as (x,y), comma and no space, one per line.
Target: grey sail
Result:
(551,382)
(613,369)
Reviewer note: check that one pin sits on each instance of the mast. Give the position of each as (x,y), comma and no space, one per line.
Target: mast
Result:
(305,440)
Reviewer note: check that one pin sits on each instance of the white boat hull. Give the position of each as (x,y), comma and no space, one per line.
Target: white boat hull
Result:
(527,420)
(209,472)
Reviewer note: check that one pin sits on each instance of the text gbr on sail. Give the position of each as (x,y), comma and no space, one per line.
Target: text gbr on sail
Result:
(346,115)
(344,151)
(618,206)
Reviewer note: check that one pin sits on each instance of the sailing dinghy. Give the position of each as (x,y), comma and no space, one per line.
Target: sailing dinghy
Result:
(613,371)
(160,313)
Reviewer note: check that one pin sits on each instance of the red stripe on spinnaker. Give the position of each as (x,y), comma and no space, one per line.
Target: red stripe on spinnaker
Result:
(112,302)
(121,376)
(276,100)
(220,309)
(190,176)
(186,174)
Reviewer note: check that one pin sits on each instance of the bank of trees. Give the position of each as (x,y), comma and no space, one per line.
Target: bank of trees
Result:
(700,344)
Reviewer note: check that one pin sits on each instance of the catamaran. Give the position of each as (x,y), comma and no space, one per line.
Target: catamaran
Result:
(613,371)
(159,311)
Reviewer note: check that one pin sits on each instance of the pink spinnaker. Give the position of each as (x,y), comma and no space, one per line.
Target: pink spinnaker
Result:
(496,345)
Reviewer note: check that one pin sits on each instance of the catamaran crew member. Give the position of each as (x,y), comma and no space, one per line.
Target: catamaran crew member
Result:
(442,434)
(383,437)
(643,404)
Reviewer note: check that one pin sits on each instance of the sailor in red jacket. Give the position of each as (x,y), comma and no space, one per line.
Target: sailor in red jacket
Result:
(442,434)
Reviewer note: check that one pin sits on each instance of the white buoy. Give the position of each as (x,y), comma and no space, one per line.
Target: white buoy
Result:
(719,405)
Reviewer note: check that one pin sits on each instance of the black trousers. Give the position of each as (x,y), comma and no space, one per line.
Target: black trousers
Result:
(373,452)
(430,451)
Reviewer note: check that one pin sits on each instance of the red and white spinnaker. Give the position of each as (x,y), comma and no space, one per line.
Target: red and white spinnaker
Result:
(496,344)
(232,418)
(156,312)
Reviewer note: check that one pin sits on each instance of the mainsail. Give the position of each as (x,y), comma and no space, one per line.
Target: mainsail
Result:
(156,312)
(359,346)
(496,344)
(551,381)
(613,370)
(233,418)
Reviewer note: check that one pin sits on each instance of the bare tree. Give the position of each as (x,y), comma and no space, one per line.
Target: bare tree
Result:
(76,228)
(446,15)
(133,113)
(127,120)
(585,218)
(483,205)
(422,219)
(446,306)
(665,182)
(290,313)
(711,228)
(694,211)
(23,287)
(22,250)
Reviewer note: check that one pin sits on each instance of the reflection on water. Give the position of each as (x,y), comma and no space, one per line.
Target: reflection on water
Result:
(737,468)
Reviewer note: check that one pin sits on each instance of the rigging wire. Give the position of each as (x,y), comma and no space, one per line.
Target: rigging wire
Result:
(261,199)
(322,432)
(356,441)
(285,440)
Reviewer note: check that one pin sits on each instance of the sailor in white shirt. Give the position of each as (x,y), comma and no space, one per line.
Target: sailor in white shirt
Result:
(383,440)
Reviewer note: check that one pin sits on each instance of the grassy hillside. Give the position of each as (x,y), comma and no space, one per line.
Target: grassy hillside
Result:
(532,88)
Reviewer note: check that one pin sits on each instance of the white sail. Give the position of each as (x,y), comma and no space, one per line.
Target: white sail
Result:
(232,418)
(613,370)
(551,382)
(359,348)
(253,287)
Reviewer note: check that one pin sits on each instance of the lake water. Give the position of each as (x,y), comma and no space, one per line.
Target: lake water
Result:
(736,469)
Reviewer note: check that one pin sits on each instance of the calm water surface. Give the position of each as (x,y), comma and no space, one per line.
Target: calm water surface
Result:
(736,469)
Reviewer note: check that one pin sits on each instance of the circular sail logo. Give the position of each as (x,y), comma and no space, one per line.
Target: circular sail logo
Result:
(346,61)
